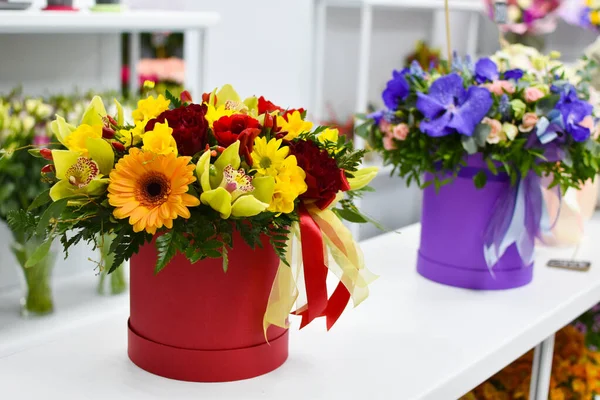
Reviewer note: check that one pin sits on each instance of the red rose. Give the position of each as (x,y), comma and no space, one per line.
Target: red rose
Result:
(265,106)
(190,128)
(323,177)
(240,127)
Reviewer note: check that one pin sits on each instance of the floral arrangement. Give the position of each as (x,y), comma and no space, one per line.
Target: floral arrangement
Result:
(187,175)
(575,373)
(519,120)
(532,17)
(524,124)
(584,13)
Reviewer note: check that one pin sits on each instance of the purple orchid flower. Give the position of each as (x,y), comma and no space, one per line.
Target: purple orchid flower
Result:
(397,89)
(515,74)
(377,116)
(574,111)
(486,71)
(449,108)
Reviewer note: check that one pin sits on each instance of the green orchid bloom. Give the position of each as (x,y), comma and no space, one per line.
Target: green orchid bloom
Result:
(82,176)
(231,99)
(362,177)
(74,138)
(228,189)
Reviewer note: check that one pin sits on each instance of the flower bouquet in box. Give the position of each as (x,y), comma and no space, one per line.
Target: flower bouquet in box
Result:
(483,140)
(205,199)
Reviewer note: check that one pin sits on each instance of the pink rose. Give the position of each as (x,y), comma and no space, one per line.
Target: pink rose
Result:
(388,143)
(588,122)
(529,121)
(500,87)
(400,132)
(385,127)
(533,94)
(496,130)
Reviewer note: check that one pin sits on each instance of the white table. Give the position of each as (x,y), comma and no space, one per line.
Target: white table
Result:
(412,339)
(194,25)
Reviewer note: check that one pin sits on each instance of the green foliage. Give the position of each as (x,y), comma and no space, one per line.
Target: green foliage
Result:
(175,102)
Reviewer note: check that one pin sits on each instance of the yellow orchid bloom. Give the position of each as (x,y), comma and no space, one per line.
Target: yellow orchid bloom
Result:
(80,175)
(228,189)
(294,125)
(229,99)
(160,140)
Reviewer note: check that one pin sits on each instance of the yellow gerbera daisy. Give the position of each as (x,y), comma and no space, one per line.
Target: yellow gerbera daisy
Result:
(150,108)
(294,125)
(268,156)
(151,190)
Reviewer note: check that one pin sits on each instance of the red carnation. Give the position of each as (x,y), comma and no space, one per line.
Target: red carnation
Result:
(190,128)
(265,106)
(240,127)
(323,177)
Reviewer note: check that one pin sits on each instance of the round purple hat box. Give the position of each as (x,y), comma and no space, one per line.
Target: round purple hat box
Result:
(453,223)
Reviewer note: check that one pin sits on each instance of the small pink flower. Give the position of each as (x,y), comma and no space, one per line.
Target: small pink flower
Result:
(588,122)
(385,127)
(388,143)
(533,94)
(400,132)
(529,121)
(496,132)
(500,87)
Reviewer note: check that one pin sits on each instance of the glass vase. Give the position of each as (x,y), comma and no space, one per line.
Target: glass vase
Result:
(37,299)
(110,284)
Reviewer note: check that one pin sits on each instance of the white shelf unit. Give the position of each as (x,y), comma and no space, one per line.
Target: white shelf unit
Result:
(413,339)
(194,26)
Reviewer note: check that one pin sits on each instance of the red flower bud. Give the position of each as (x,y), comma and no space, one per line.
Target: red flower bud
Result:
(118,146)
(112,120)
(206,98)
(186,97)
(269,121)
(48,168)
(46,153)
(108,133)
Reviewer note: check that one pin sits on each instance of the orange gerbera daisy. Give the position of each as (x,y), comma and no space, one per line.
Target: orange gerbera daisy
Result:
(151,189)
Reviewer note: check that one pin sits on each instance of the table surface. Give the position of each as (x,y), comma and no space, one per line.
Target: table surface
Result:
(412,339)
(36,21)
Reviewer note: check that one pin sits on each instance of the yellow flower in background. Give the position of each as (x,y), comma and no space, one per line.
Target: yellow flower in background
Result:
(151,189)
(76,141)
(289,184)
(150,108)
(133,136)
(160,140)
(214,113)
(294,125)
(268,156)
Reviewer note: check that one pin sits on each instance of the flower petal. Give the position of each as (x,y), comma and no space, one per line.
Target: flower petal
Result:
(63,160)
(472,111)
(437,127)
(248,206)
(263,188)
(219,200)
(61,190)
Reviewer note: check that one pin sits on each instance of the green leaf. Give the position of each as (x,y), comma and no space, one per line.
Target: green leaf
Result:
(469,144)
(53,211)
(39,253)
(166,247)
(350,215)
(40,200)
(492,166)
(175,102)
(481,133)
(480,179)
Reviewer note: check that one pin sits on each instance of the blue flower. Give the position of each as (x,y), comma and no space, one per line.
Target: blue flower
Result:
(377,116)
(449,108)
(573,111)
(515,74)
(504,107)
(397,89)
(486,71)
(416,69)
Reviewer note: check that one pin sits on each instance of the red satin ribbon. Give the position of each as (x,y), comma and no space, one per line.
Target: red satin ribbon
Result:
(315,276)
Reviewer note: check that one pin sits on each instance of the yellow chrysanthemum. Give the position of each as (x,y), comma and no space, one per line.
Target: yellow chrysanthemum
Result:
(160,140)
(133,136)
(330,136)
(289,184)
(268,156)
(76,141)
(294,125)
(150,108)
(214,113)
(151,189)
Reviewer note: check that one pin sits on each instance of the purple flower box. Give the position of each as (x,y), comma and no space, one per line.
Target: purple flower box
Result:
(452,235)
